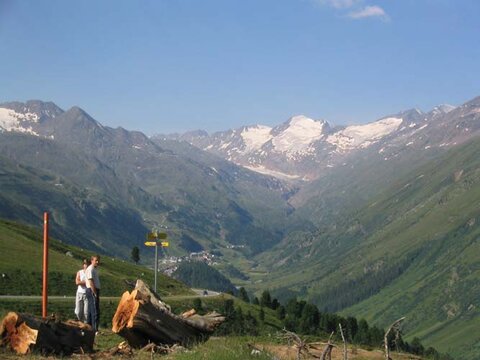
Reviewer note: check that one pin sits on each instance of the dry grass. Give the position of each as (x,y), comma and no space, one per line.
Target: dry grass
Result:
(284,352)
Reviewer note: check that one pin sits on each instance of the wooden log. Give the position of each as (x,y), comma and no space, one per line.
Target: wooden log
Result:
(141,318)
(24,333)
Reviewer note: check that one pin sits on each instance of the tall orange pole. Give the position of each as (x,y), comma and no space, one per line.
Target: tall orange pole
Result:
(45,265)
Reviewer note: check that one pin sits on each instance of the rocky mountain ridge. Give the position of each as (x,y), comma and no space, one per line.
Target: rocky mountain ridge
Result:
(159,182)
(304,149)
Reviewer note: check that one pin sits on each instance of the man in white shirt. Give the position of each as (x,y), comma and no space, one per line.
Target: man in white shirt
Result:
(81,302)
(93,292)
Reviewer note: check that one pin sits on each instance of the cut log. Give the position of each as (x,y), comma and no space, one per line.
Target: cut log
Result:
(189,313)
(143,318)
(24,333)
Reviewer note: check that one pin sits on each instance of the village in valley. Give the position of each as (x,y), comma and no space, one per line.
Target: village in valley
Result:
(169,264)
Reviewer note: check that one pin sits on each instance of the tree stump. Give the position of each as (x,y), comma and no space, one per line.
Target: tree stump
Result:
(24,333)
(142,318)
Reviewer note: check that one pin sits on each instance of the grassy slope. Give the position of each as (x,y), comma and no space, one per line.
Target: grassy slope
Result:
(79,214)
(438,219)
(21,262)
(427,228)
(22,251)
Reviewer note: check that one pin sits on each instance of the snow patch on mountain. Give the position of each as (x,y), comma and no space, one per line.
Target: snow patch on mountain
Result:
(362,136)
(278,174)
(255,136)
(442,109)
(13,121)
(299,135)
(224,145)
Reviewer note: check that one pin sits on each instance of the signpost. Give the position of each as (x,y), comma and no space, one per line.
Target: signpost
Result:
(45,265)
(152,240)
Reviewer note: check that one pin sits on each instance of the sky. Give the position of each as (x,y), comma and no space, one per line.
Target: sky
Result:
(165,66)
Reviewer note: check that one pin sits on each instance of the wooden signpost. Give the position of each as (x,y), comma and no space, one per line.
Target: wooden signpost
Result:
(152,240)
(45,265)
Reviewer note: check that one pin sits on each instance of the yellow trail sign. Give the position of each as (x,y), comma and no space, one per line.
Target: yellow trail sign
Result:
(156,243)
(156,235)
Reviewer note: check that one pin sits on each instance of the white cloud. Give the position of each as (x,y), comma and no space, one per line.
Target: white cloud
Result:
(369,11)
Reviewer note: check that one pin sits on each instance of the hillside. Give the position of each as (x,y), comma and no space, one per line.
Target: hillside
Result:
(197,274)
(412,251)
(79,215)
(21,266)
(203,197)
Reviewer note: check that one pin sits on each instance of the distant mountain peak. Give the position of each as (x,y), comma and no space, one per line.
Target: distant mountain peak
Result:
(197,133)
(443,108)
(77,114)
(18,121)
(78,111)
(299,119)
(298,133)
(362,136)
(41,108)
(255,136)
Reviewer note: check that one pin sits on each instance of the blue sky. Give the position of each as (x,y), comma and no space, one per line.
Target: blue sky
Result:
(175,65)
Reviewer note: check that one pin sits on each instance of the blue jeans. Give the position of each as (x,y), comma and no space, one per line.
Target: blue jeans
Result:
(93,316)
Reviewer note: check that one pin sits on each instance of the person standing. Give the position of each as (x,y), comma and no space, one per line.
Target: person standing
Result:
(81,302)
(93,293)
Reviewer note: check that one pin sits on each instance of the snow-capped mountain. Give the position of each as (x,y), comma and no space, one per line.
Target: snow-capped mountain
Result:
(10,120)
(362,136)
(33,117)
(73,127)
(304,149)
(301,148)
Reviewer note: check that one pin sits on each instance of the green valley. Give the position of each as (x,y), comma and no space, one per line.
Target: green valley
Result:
(412,251)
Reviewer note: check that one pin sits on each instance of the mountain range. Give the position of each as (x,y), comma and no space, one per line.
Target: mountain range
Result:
(379,220)
(117,172)
(304,149)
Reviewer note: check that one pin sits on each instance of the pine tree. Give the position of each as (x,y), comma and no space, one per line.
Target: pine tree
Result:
(228,308)
(135,254)
(266,299)
(281,312)
(261,316)
(242,294)
(309,319)
(416,346)
(362,336)
(275,304)
(352,327)
(375,336)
